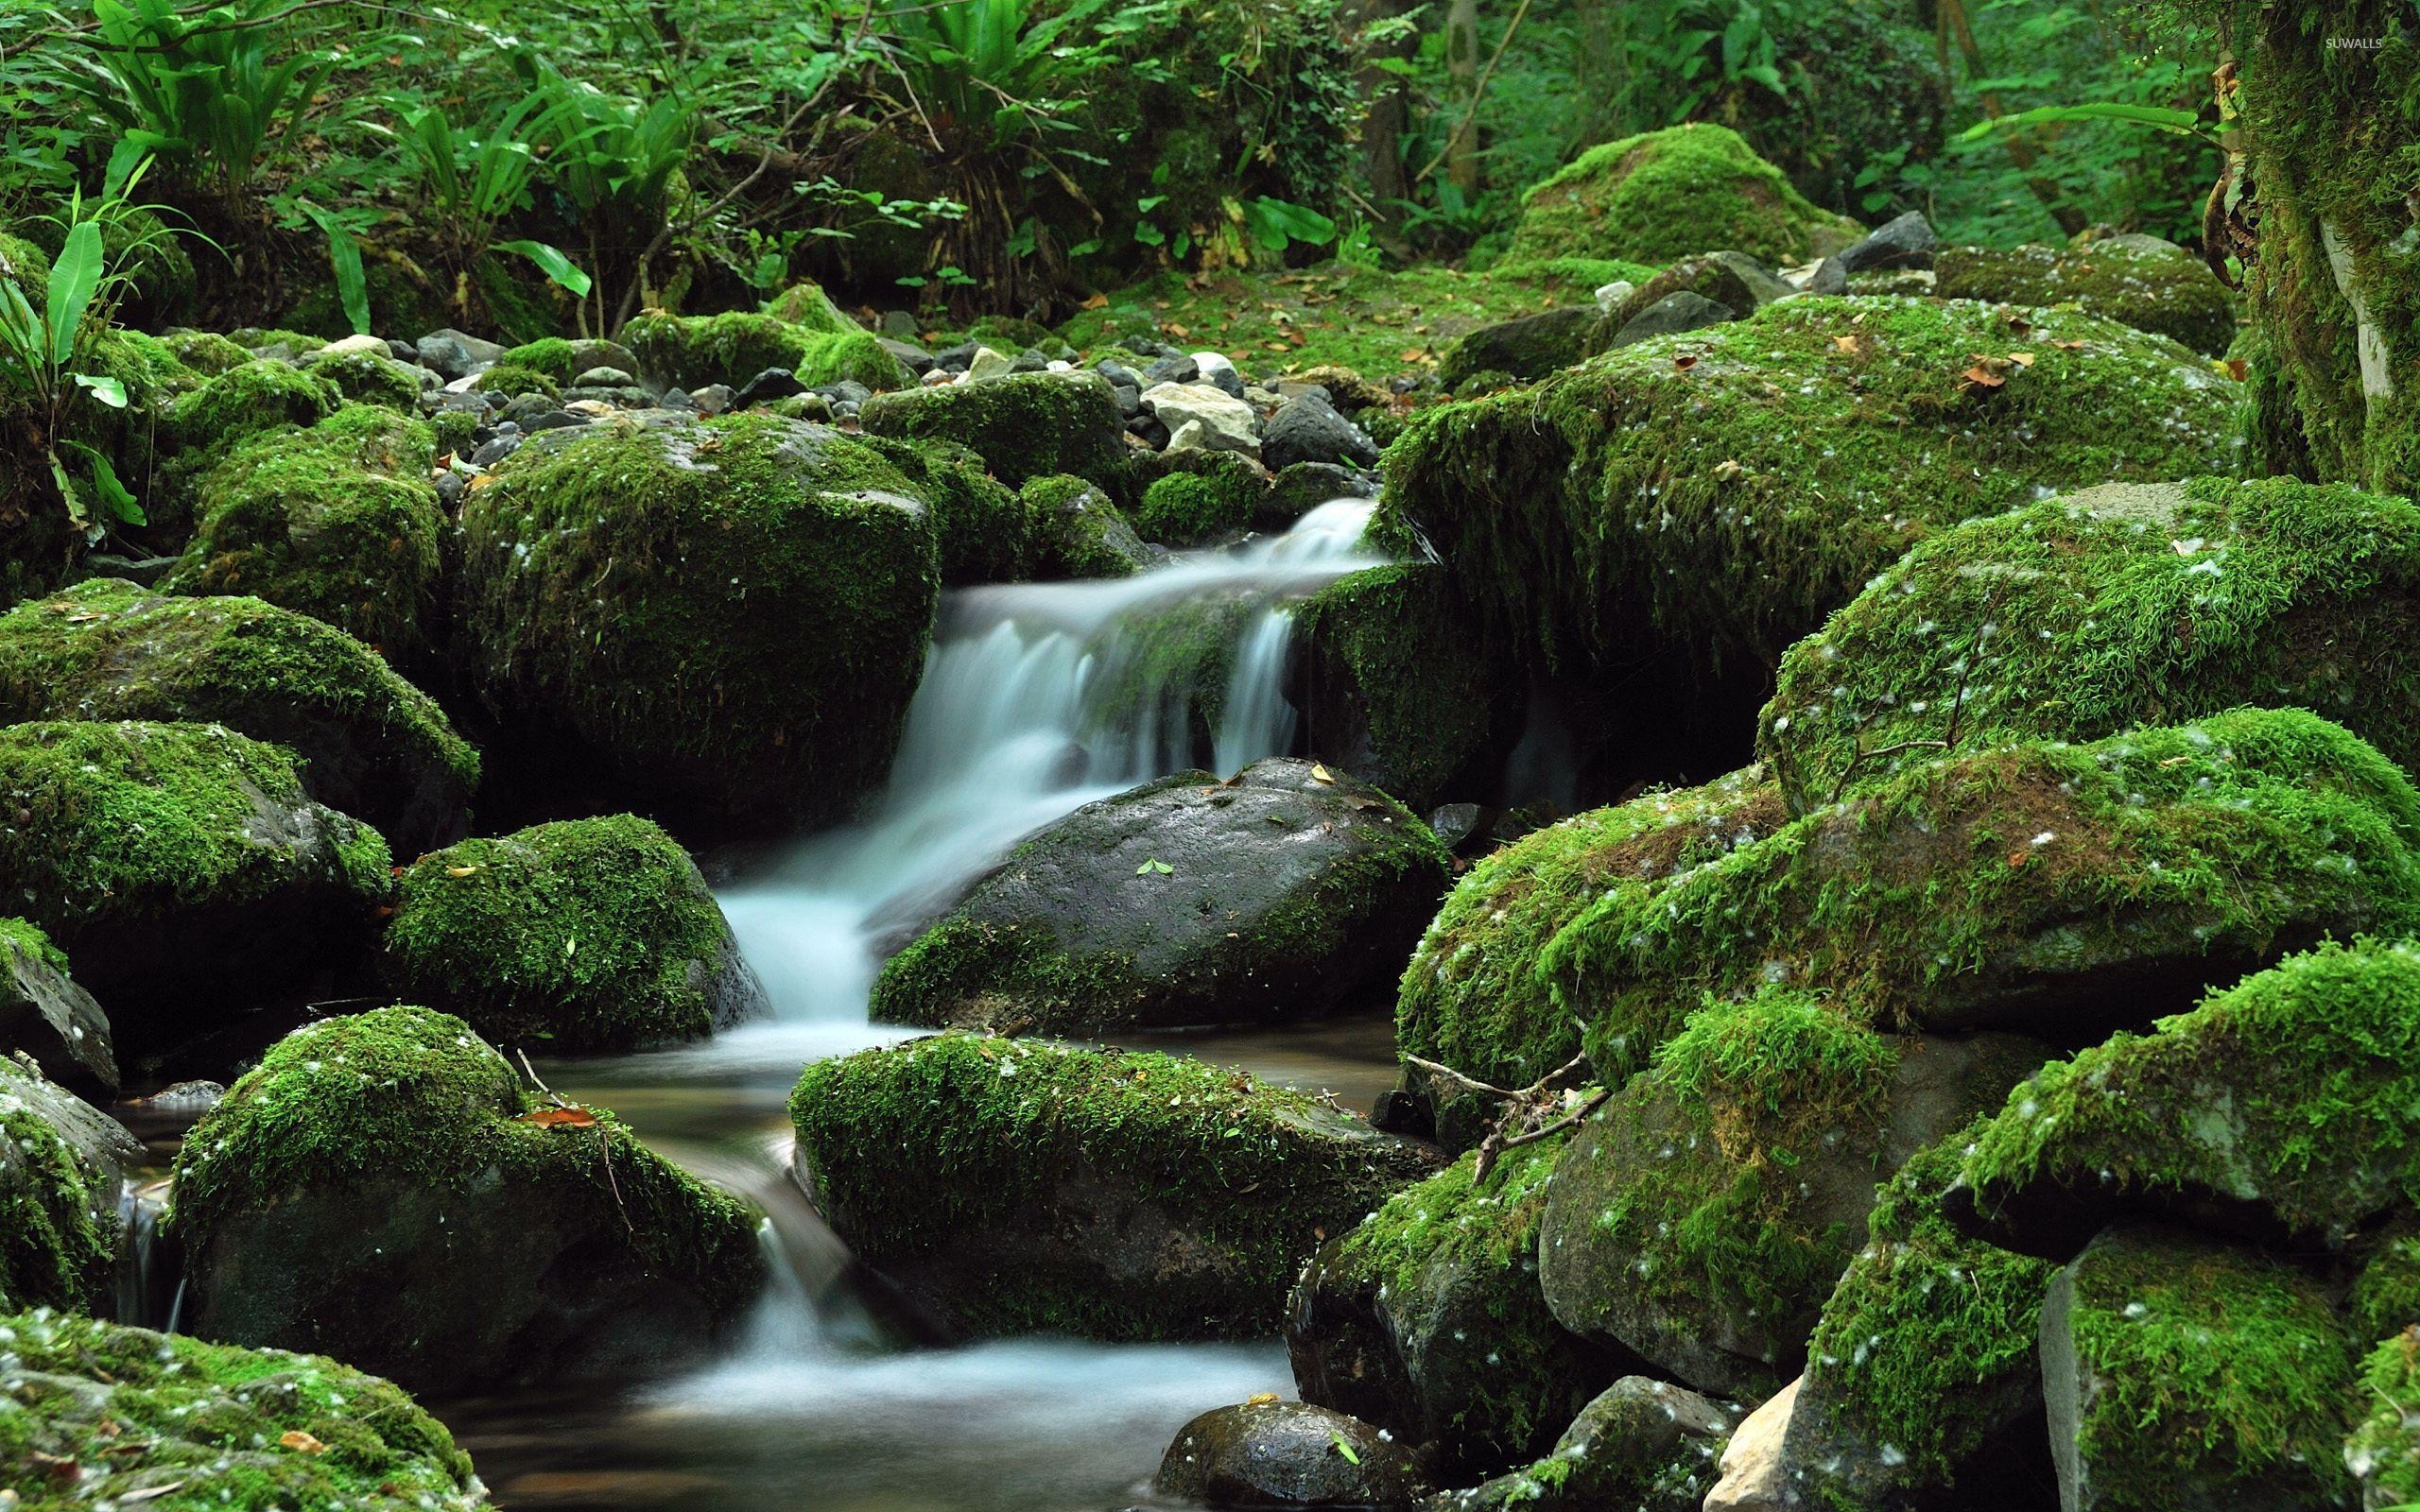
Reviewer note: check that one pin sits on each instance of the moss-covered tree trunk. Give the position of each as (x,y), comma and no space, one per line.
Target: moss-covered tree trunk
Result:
(2327,94)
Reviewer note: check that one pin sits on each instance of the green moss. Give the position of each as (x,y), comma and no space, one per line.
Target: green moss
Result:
(368,378)
(1924,1336)
(25,264)
(262,395)
(259,338)
(107,649)
(942,1151)
(1077,532)
(195,1427)
(1713,496)
(134,821)
(412,1093)
(513,380)
(592,934)
(1662,195)
(1946,895)
(2161,288)
(2296,1092)
(1025,426)
(1401,641)
(1472,997)
(205,351)
(2212,1370)
(737,608)
(805,304)
(2076,618)
(337,521)
(2383,1452)
(54,1250)
(690,351)
(1186,509)
(1172,668)
(552,357)
(2385,1298)
(985,528)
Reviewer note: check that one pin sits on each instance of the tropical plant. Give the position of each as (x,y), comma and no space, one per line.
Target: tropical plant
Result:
(614,160)
(473,180)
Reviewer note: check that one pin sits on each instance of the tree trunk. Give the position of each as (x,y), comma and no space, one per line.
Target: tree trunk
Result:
(1461,69)
(1382,130)
(2328,105)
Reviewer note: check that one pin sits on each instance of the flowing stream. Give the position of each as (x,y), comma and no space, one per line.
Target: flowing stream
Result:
(1037,698)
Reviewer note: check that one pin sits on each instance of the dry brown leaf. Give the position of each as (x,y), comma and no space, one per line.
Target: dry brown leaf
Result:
(1847,344)
(561,1118)
(1685,361)
(2023,359)
(2236,369)
(1098,301)
(301,1442)
(459,872)
(1321,774)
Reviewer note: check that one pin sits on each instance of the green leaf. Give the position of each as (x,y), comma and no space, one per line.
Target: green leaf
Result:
(2184,122)
(74,278)
(114,493)
(344,257)
(1341,1447)
(107,389)
(554,263)
(1154,867)
(68,492)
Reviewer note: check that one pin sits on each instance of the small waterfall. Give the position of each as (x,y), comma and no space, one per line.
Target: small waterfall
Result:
(150,1271)
(1256,720)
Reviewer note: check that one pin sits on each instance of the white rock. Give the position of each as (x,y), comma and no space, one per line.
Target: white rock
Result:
(1752,1466)
(1227,423)
(1614,293)
(1211,362)
(990,363)
(352,344)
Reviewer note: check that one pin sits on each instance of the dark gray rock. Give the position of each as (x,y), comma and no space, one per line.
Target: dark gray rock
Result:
(773,383)
(1671,315)
(1527,348)
(1829,278)
(1286,1454)
(1308,429)
(496,451)
(1641,1446)
(1173,368)
(456,353)
(1905,242)
(914,358)
(1297,488)
(45,1016)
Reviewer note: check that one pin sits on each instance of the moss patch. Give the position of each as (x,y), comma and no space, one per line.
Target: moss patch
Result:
(1079,531)
(2152,286)
(2383,1452)
(55,1250)
(1025,426)
(1185,509)
(1395,663)
(987,533)
(262,395)
(2076,618)
(1664,195)
(366,378)
(691,351)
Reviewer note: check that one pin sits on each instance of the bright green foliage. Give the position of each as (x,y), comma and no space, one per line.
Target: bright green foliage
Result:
(106,649)
(1718,492)
(1929,899)
(337,521)
(261,395)
(133,820)
(591,934)
(54,1252)
(1472,997)
(368,378)
(2296,1094)
(2203,1371)
(1664,195)
(1400,642)
(1928,1340)
(690,351)
(2385,1298)
(1025,426)
(805,304)
(205,351)
(139,1411)
(2383,1452)
(947,1152)
(2078,617)
(1186,508)
(738,608)
(513,380)
(2159,287)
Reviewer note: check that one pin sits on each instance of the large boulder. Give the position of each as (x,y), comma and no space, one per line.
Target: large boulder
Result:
(1077,530)
(986,532)
(692,350)
(371,744)
(730,616)
(1473,998)
(2062,890)
(1014,1186)
(47,1016)
(2141,281)
(61,1162)
(1922,1384)
(1702,1216)
(185,870)
(583,936)
(338,522)
(263,394)
(2124,605)
(382,1188)
(1427,1320)
(135,1418)
(1642,1444)
(1283,891)
(1704,500)
(2184,1375)
(1393,686)
(1662,195)
(1523,348)
(1280,1455)
(1025,426)
(2284,1107)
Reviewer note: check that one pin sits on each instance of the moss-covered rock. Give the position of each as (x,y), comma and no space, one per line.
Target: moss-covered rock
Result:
(587,935)
(263,394)
(1287,1455)
(2183,1373)
(381,1187)
(60,1165)
(1393,685)
(1185,509)
(2382,1454)
(1642,1444)
(2065,890)
(564,359)
(1662,195)
(805,304)
(986,531)
(1078,530)
(366,378)
(183,1426)
(1711,496)
(1283,891)
(1472,997)
(2131,604)
(2138,281)
(337,521)
(206,352)
(1026,426)
(183,868)
(1015,1186)
(1427,1320)
(2281,1107)
(511,381)
(47,1018)
(1526,348)
(372,745)
(1702,1216)
(729,616)
(692,350)
(1922,1379)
